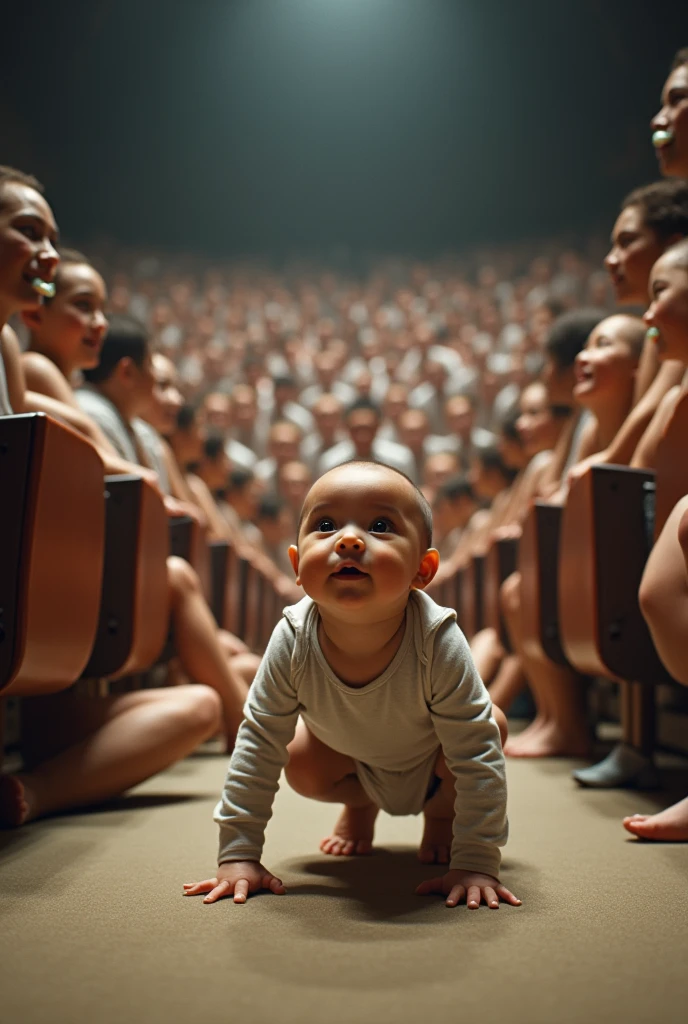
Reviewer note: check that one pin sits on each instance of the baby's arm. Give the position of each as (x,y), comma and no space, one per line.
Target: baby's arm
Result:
(260,753)
(468,734)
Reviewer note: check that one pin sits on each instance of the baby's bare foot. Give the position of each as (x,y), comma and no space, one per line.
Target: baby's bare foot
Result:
(671,825)
(549,741)
(14,803)
(435,846)
(353,833)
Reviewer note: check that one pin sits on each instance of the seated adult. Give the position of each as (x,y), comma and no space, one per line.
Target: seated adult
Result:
(362,421)
(94,749)
(293,484)
(605,372)
(123,368)
(327,414)
(438,468)
(670,123)
(463,436)
(216,414)
(651,219)
(454,504)
(274,521)
(414,432)
(283,446)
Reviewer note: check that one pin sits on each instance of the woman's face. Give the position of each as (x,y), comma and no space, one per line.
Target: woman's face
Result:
(73,324)
(28,237)
(635,249)
(166,399)
(536,425)
(673,119)
(606,367)
(668,310)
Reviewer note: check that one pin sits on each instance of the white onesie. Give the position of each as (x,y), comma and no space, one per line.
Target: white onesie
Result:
(430,695)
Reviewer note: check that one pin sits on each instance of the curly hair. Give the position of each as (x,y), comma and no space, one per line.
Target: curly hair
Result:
(664,205)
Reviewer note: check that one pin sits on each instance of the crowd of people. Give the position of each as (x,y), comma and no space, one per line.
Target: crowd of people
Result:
(488,379)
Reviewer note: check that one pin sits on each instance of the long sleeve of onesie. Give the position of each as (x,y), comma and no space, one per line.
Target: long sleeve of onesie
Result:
(260,752)
(462,717)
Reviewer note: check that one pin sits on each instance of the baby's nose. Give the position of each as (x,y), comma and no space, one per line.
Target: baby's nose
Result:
(350,541)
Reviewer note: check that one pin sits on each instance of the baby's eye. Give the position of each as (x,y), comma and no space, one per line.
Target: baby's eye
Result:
(325,525)
(381,526)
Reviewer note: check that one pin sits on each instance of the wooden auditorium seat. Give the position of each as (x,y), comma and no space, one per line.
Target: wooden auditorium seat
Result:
(500,562)
(538,563)
(188,540)
(471,598)
(134,606)
(52,533)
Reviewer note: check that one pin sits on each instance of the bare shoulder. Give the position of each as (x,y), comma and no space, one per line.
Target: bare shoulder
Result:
(44,377)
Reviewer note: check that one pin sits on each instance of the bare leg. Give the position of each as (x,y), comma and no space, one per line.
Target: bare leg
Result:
(488,653)
(128,739)
(200,652)
(508,683)
(670,825)
(316,771)
(560,728)
(435,846)
(664,592)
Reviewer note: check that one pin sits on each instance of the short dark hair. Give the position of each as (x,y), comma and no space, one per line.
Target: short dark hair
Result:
(68,258)
(680,58)
(239,478)
(126,338)
(12,176)
(455,487)
(186,417)
(283,380)
(508,428)
(569,334)
(422,502)
(213,446)
(490,458)
(270,507)
(364,403)
(664,205)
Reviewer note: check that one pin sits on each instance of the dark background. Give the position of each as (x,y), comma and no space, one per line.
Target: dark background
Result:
(270,125)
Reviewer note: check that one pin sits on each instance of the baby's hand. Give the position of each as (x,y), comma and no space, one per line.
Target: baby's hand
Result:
(456,884)
(239,877)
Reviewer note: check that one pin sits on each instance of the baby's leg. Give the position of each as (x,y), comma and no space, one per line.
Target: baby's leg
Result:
(316,771)
(435,846)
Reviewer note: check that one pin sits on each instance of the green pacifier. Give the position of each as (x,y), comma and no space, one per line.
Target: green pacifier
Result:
(661,139)
(44,288)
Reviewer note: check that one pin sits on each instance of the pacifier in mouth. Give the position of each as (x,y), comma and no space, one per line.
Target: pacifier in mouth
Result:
(662,138)
(652,334)
(44,288)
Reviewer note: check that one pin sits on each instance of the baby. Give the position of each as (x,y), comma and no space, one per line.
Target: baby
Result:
(393,714)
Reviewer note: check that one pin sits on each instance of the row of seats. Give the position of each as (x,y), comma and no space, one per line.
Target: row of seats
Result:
(83,579)
(581,566)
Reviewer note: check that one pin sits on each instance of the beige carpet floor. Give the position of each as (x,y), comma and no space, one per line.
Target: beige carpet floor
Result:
(93,926)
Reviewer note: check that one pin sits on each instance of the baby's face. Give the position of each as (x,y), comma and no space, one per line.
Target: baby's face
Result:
(361,542)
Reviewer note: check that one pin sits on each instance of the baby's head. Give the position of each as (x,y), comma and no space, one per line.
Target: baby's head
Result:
(364,541)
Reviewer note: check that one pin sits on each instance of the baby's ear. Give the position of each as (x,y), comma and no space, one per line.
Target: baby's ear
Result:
(429,565)
(293,553)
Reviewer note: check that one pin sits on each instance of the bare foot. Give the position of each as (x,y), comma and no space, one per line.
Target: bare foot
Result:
(550,741)
(353,833)
(525,738)
(14,805)
(435,846)
(671,825)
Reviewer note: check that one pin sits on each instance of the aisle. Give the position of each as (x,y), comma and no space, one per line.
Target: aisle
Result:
(94,927)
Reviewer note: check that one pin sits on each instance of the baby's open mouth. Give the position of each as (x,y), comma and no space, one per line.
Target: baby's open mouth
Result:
(349,572)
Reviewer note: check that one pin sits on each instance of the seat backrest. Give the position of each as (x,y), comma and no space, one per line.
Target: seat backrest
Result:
(52,534)
(500,562)
(134,608)
(538,563)
(219,564)
(151,587)
(602,560)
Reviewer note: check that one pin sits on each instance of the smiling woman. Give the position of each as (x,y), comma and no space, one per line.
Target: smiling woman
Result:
(670,124)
